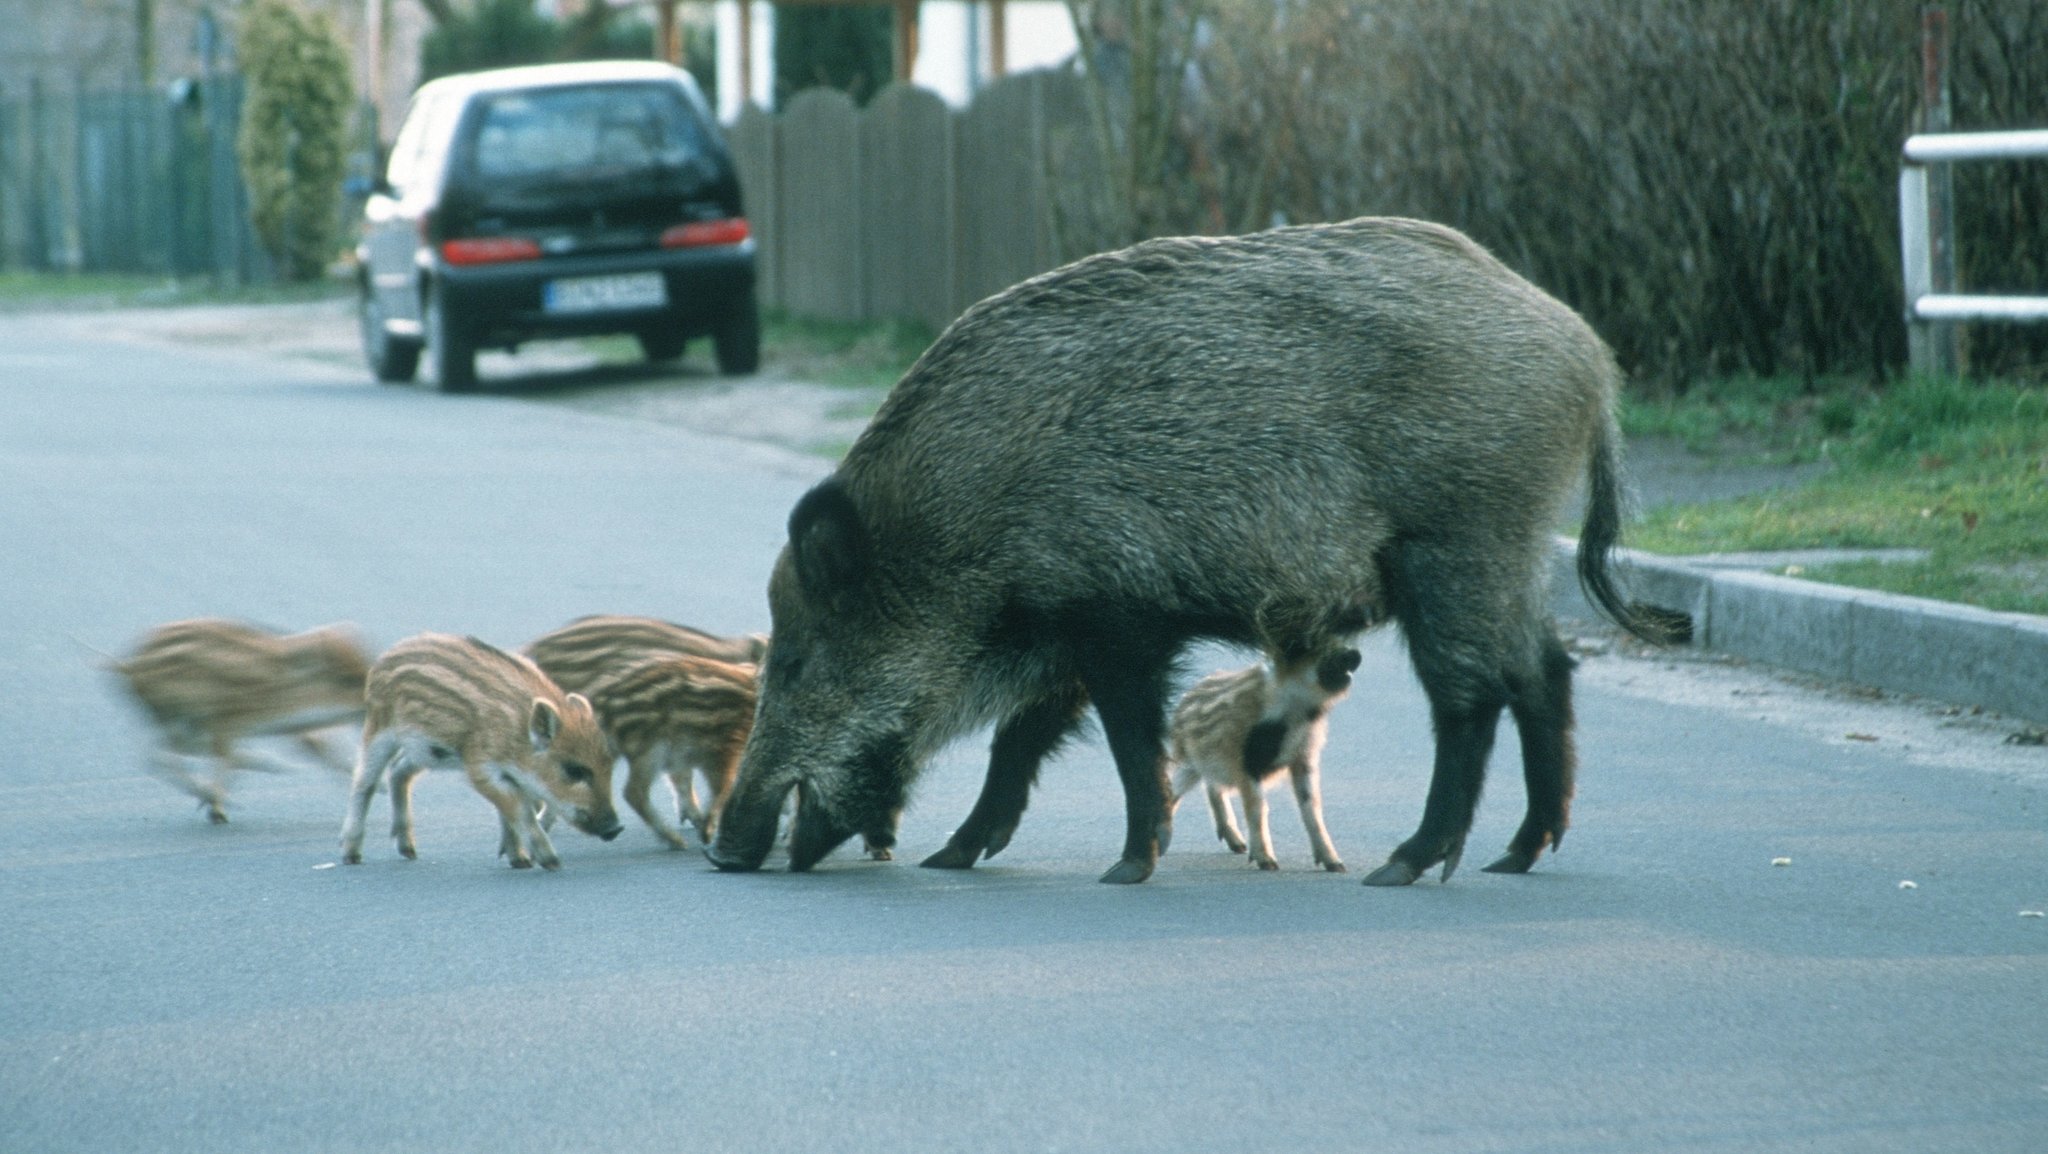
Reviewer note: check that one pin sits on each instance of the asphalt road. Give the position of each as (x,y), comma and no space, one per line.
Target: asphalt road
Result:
(170,985)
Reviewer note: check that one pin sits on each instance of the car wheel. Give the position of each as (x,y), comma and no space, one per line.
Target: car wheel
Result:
(392,359)
(450,345)
(737,339)
(662,344)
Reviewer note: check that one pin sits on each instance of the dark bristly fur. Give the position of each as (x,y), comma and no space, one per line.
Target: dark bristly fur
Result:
(1257,439)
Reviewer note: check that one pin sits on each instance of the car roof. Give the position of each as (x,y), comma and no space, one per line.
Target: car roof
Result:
(554,75)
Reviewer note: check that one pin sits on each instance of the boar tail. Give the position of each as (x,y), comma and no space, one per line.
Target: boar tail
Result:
(1597,540)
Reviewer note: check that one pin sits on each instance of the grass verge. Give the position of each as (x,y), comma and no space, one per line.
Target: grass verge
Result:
(38,291)
(1959,468)
(854,355)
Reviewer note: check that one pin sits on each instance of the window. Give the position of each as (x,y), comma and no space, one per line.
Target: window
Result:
(599,130)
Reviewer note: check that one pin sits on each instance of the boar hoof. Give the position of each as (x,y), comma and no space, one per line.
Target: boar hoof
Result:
(1395,873)
(727,863)
(953,857)
(1129,871)
(881,853)
(1512,862)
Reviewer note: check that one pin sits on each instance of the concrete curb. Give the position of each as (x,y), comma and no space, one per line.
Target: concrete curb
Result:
(1949,652)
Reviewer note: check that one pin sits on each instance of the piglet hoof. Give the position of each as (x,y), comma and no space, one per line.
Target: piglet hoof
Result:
(1512,862)
(953,857)
(1334,866)
(1128,872)
(520,863)
(352,857)
(216,815)
(1234,844)
(1266,863)
(1395,873)
(408,853)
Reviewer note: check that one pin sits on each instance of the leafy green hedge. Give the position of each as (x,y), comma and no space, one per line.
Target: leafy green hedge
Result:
(295,133)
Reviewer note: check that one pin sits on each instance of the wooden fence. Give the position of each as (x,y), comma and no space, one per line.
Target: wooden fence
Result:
(126,181)
(908,209)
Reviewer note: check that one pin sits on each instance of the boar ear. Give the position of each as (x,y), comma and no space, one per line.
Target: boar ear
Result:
(543,725)
(829,542)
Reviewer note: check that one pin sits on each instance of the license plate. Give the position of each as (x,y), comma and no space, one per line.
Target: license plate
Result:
(600,294)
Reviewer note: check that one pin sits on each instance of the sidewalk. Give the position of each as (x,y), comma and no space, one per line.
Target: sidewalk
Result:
(1954,653)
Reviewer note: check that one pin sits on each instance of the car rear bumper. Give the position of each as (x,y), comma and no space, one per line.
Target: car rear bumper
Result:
(504,302)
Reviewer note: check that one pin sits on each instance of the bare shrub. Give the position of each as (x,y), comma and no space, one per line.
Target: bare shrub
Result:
(1713,183)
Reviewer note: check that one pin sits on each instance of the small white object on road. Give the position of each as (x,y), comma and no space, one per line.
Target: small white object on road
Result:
(1781,861)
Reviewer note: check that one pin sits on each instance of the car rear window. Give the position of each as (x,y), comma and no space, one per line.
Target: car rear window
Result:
(580,133)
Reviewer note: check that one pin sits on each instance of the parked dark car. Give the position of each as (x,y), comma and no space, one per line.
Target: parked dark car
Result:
(558,200)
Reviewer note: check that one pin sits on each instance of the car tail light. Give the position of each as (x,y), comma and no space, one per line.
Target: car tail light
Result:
(489,250)
(703,233)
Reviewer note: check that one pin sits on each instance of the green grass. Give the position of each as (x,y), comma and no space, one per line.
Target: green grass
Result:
(855,355)
(38,291)
(1959,468)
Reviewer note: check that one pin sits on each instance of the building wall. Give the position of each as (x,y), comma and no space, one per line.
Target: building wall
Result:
(95,44)
(954,45)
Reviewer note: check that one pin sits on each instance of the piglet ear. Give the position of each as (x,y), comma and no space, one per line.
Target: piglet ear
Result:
(828,543)
(543,725)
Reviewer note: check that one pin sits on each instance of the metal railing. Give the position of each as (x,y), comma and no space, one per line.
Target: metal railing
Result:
(1926,234)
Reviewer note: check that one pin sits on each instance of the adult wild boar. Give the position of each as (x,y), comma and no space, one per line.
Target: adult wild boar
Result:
(1261,439)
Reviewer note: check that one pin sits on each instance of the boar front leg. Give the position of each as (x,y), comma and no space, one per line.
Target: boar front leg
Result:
(1021,745)
(640,774)
(1308,795)
(371,762)
(1129,688)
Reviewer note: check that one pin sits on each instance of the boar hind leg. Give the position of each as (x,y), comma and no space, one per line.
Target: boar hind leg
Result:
(1130,697)
(1226,822)
(1021,745)
(403,776)
(1542,709)
(1453,623)
(174,767)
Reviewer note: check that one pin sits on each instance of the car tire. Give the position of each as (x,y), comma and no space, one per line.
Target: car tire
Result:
(736,342)
(392,360)
(450,345)
(662,343)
